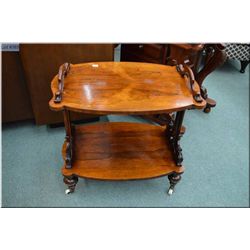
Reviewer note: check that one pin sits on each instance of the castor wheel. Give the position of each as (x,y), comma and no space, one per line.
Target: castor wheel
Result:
(70,181)
(170,191)
(174,178)
(207,109)
(68,191)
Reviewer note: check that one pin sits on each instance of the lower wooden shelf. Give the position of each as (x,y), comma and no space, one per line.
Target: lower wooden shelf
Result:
(120,151)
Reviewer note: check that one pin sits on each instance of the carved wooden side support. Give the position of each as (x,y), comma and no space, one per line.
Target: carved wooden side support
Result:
(63,71)
(215,56)
(174,134)
(68,139)
(186,71)
(71,182)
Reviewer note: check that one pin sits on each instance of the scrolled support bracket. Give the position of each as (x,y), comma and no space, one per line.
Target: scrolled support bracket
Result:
(186,71)
(63,71)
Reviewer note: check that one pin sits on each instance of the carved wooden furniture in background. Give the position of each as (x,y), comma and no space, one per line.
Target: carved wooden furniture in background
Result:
(41,62)
(178,53)
(152,53)
(214,57)
(173,54)
(121,150)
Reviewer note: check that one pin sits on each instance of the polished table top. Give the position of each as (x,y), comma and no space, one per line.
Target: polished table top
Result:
(124,88)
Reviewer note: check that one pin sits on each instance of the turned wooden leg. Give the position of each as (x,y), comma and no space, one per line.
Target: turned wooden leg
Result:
(70,181)
(243,66)
(174,178)
(210,102)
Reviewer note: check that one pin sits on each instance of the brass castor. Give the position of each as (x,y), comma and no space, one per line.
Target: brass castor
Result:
(207,109)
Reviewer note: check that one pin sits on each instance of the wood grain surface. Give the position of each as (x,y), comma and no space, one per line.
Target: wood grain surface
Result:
(120,151)
(124,88)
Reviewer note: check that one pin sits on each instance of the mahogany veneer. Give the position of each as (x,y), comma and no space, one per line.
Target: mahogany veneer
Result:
(124,88)
(124,151)
(170,54)
(121,151)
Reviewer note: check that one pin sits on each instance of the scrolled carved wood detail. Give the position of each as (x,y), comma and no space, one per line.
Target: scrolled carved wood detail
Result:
(185,71)
(68,138)
(215,56)
(174,134)
(69,153)
(63,71)
(177,150)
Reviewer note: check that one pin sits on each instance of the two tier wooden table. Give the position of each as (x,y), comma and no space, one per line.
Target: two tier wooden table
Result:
(123,150)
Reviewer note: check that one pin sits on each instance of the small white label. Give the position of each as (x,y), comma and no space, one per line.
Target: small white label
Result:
(95,65)
(13,47)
